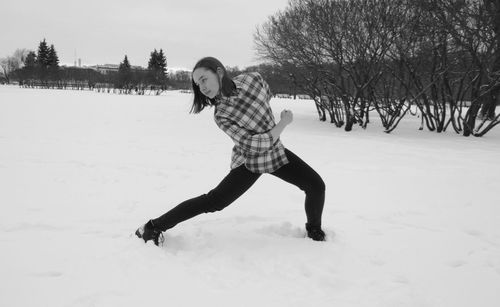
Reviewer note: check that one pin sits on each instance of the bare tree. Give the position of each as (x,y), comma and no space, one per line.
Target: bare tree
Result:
(338,45)
(285,39)
(9,64)
(437,59)
(474,28)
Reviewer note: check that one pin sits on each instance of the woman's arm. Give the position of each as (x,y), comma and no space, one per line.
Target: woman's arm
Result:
(246,140)
(255,143)
(286,119)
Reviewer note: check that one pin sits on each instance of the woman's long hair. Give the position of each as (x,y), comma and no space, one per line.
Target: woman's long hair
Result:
(228,87)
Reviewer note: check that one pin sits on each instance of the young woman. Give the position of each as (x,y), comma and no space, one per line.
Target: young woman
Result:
(243,112)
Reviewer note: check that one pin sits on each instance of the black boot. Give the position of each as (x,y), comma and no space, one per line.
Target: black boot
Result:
(315,233)
(149,232)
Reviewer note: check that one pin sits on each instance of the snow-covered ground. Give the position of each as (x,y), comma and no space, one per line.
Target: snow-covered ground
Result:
(413,217)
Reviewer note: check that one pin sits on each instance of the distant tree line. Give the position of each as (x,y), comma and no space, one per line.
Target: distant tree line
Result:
(42,69)
(438,59)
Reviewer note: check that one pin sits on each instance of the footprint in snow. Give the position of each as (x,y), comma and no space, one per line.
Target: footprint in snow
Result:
(48,274)
(284,230)
(400,279)
(457,263)
(473,232)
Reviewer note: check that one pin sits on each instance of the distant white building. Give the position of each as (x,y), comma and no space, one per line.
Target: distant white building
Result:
(107,68)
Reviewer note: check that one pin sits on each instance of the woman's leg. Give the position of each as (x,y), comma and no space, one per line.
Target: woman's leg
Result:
(237,182)
(298,173)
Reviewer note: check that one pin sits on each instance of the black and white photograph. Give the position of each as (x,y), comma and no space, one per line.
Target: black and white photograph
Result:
(265,153)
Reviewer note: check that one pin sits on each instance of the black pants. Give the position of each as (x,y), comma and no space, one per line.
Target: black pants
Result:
(239,180)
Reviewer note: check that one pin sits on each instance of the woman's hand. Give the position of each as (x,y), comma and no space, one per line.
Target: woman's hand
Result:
(286,117)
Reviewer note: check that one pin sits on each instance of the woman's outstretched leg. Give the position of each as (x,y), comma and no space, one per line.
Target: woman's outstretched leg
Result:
(298,173)
(237,182)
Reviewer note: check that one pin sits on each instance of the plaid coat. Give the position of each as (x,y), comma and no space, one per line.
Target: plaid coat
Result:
(247,118)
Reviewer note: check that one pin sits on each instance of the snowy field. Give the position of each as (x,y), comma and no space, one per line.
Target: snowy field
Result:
(413,217)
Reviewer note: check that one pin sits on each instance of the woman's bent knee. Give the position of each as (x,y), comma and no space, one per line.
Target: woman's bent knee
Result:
(321,184)
(315,186)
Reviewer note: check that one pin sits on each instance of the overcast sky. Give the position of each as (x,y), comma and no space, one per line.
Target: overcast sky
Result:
(103,31)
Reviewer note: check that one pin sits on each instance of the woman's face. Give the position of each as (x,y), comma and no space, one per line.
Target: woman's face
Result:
(207,81)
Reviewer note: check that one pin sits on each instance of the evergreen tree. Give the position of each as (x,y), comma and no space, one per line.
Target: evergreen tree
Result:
(124,73)
(152,68)
(157,67)
(162,63)
(30,60)
(162,68)
(125,65)
(42,60)
(53,63)
(52,58)
(29,69)
(153,60)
